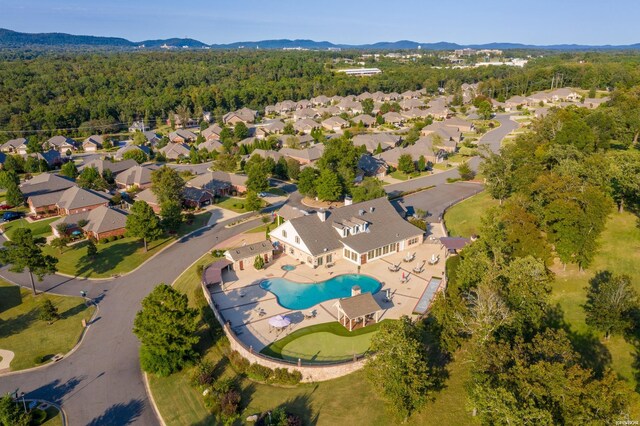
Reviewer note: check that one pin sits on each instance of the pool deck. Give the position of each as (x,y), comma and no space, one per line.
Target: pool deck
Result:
(242,298)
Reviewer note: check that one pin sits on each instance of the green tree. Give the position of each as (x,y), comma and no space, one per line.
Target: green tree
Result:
(240,131)
(422,163)
(367,106)
(33,146)
(257,174)
(69,170)
(288,129)
(485,110)
(611,304)
(370,188)
(22,253)
(137,155)
(167,330)
(92,250)
(60,243)
(293,169)
(328,187)
(139,138)
(90,178)
(194,157)
(47,311)
(8,177)
(253,202)
(167,185)
(258,262)
(625,179)
(465,171)
(12,413)
(497,172)
(143,223)
(307,182)
(171,213)
(406,164)
(400,368)
(226,163)
(14,196)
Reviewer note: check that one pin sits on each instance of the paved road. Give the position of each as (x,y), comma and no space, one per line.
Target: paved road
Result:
(492,138)
(101,382)
(436,200)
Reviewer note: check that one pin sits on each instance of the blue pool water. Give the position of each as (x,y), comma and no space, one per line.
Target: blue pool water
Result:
(294,295)
(288,267)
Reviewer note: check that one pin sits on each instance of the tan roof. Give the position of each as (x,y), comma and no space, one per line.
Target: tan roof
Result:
(359,305)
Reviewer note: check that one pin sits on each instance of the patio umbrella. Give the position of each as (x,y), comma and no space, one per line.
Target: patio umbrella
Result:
(279,321)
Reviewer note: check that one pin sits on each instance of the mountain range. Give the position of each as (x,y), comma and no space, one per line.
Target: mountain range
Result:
(14,39)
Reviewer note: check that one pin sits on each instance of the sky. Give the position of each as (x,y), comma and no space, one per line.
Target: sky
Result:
(340,21)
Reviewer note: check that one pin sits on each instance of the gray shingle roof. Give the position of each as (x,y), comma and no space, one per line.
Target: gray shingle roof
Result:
(77,198)
(250,250)
(213,180)
(359,305)
(45,183)
(117,167)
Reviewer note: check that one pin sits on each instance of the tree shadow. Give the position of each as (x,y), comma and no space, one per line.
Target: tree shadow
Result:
(299,406)
(10,297)
(19,323)
(119,414)
(56,390)
(80,307)
(107,259)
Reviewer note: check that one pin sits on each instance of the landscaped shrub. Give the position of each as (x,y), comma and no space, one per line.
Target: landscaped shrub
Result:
(202,375)
(223,399)
(418,223)
(238,362)
(284,377)
(103,241)
(112,238)
(259,373)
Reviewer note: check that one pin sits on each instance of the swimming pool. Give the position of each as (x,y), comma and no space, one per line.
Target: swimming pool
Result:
(288,268)
(294,295)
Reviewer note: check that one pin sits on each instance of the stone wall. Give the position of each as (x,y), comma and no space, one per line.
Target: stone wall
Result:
(310,373)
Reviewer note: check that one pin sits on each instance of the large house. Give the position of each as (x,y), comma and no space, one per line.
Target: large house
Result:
(92,143)
(135,177)
(175,151)
(115,168)
(61,144)
(244,115)
(374,140)
(245,256)
(182,136)
(220,183)
(423,146)
(15,146)
(70,201)
(304,156)
(101,222)
(358,233)
(45,183)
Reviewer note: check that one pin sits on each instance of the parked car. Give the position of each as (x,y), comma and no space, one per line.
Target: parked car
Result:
(262,194)
(5,207)
(9,216)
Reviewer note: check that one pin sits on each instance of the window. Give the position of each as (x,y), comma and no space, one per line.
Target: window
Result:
(413,241)
(284,233)
(297,240)
(319,260)
(291,251)
(329,258)
(371,255)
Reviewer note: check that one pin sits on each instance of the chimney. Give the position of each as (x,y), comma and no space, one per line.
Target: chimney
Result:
(348,201)
(322,214)
(371,209)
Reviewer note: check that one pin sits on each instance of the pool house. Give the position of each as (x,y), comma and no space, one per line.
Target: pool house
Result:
(358,311)
(359,233)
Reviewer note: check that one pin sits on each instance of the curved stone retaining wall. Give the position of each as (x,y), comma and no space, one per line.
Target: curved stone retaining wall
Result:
(310,372)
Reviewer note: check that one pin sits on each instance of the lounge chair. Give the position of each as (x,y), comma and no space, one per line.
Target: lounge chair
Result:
(419,268)
(435,258)
(394,268)
(310,314)
(409,257)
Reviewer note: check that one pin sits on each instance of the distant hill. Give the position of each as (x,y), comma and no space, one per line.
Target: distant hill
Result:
(14,39)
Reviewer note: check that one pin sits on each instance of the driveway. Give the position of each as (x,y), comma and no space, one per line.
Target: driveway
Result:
(436,200)
(101,382)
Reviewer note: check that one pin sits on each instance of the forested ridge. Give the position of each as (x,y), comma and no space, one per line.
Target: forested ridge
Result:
(102,92)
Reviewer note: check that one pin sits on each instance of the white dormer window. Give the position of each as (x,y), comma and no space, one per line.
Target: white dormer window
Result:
(284,233)
(345,232)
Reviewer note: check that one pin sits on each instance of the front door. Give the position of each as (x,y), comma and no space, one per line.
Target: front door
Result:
(363,259)
(241,264)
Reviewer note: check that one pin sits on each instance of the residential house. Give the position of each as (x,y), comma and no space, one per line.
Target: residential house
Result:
(372,166)
(15,146)
(362,96)
(274,126)
(321,100)
(535,99)
(182,136)
(565,94)
(45,183)
(244,115)
(450,135)
(285,107)
(93,143)
(422,146)
(266,153)
(51,157)
(61,144)
(288,212)
(416,113)
(393,118)
(220,183)
(119,154)
(365,119)
(459,123)
(135,177)
(592,103)
(330,110)
(300,114)
(150,198)
(303,104)
(514,102)
(212,132)
(347,105)
(138,126)
(197,198)
(175,151)
(211,145)
(407,104)
(152,137)
(243,257)
(334,124)
(305,125)
(411,94)
(70,201)
(304,156)
(115,168)
(372,140)
(101,222)
(358,233)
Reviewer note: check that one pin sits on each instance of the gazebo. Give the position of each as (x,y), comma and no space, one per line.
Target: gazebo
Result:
(357,309)
(212,274)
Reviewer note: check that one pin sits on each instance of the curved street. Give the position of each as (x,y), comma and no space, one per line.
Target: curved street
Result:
(101,382)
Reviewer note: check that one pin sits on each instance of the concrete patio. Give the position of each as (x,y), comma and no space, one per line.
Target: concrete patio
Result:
(248,307)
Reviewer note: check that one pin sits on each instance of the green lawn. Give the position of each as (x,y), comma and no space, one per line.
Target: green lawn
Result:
(403,176)
(262,228)
(235,204)
(29,338)
(463,219)
(116,257)
(276,191)
(347,400)
(322,342)
(40,228)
